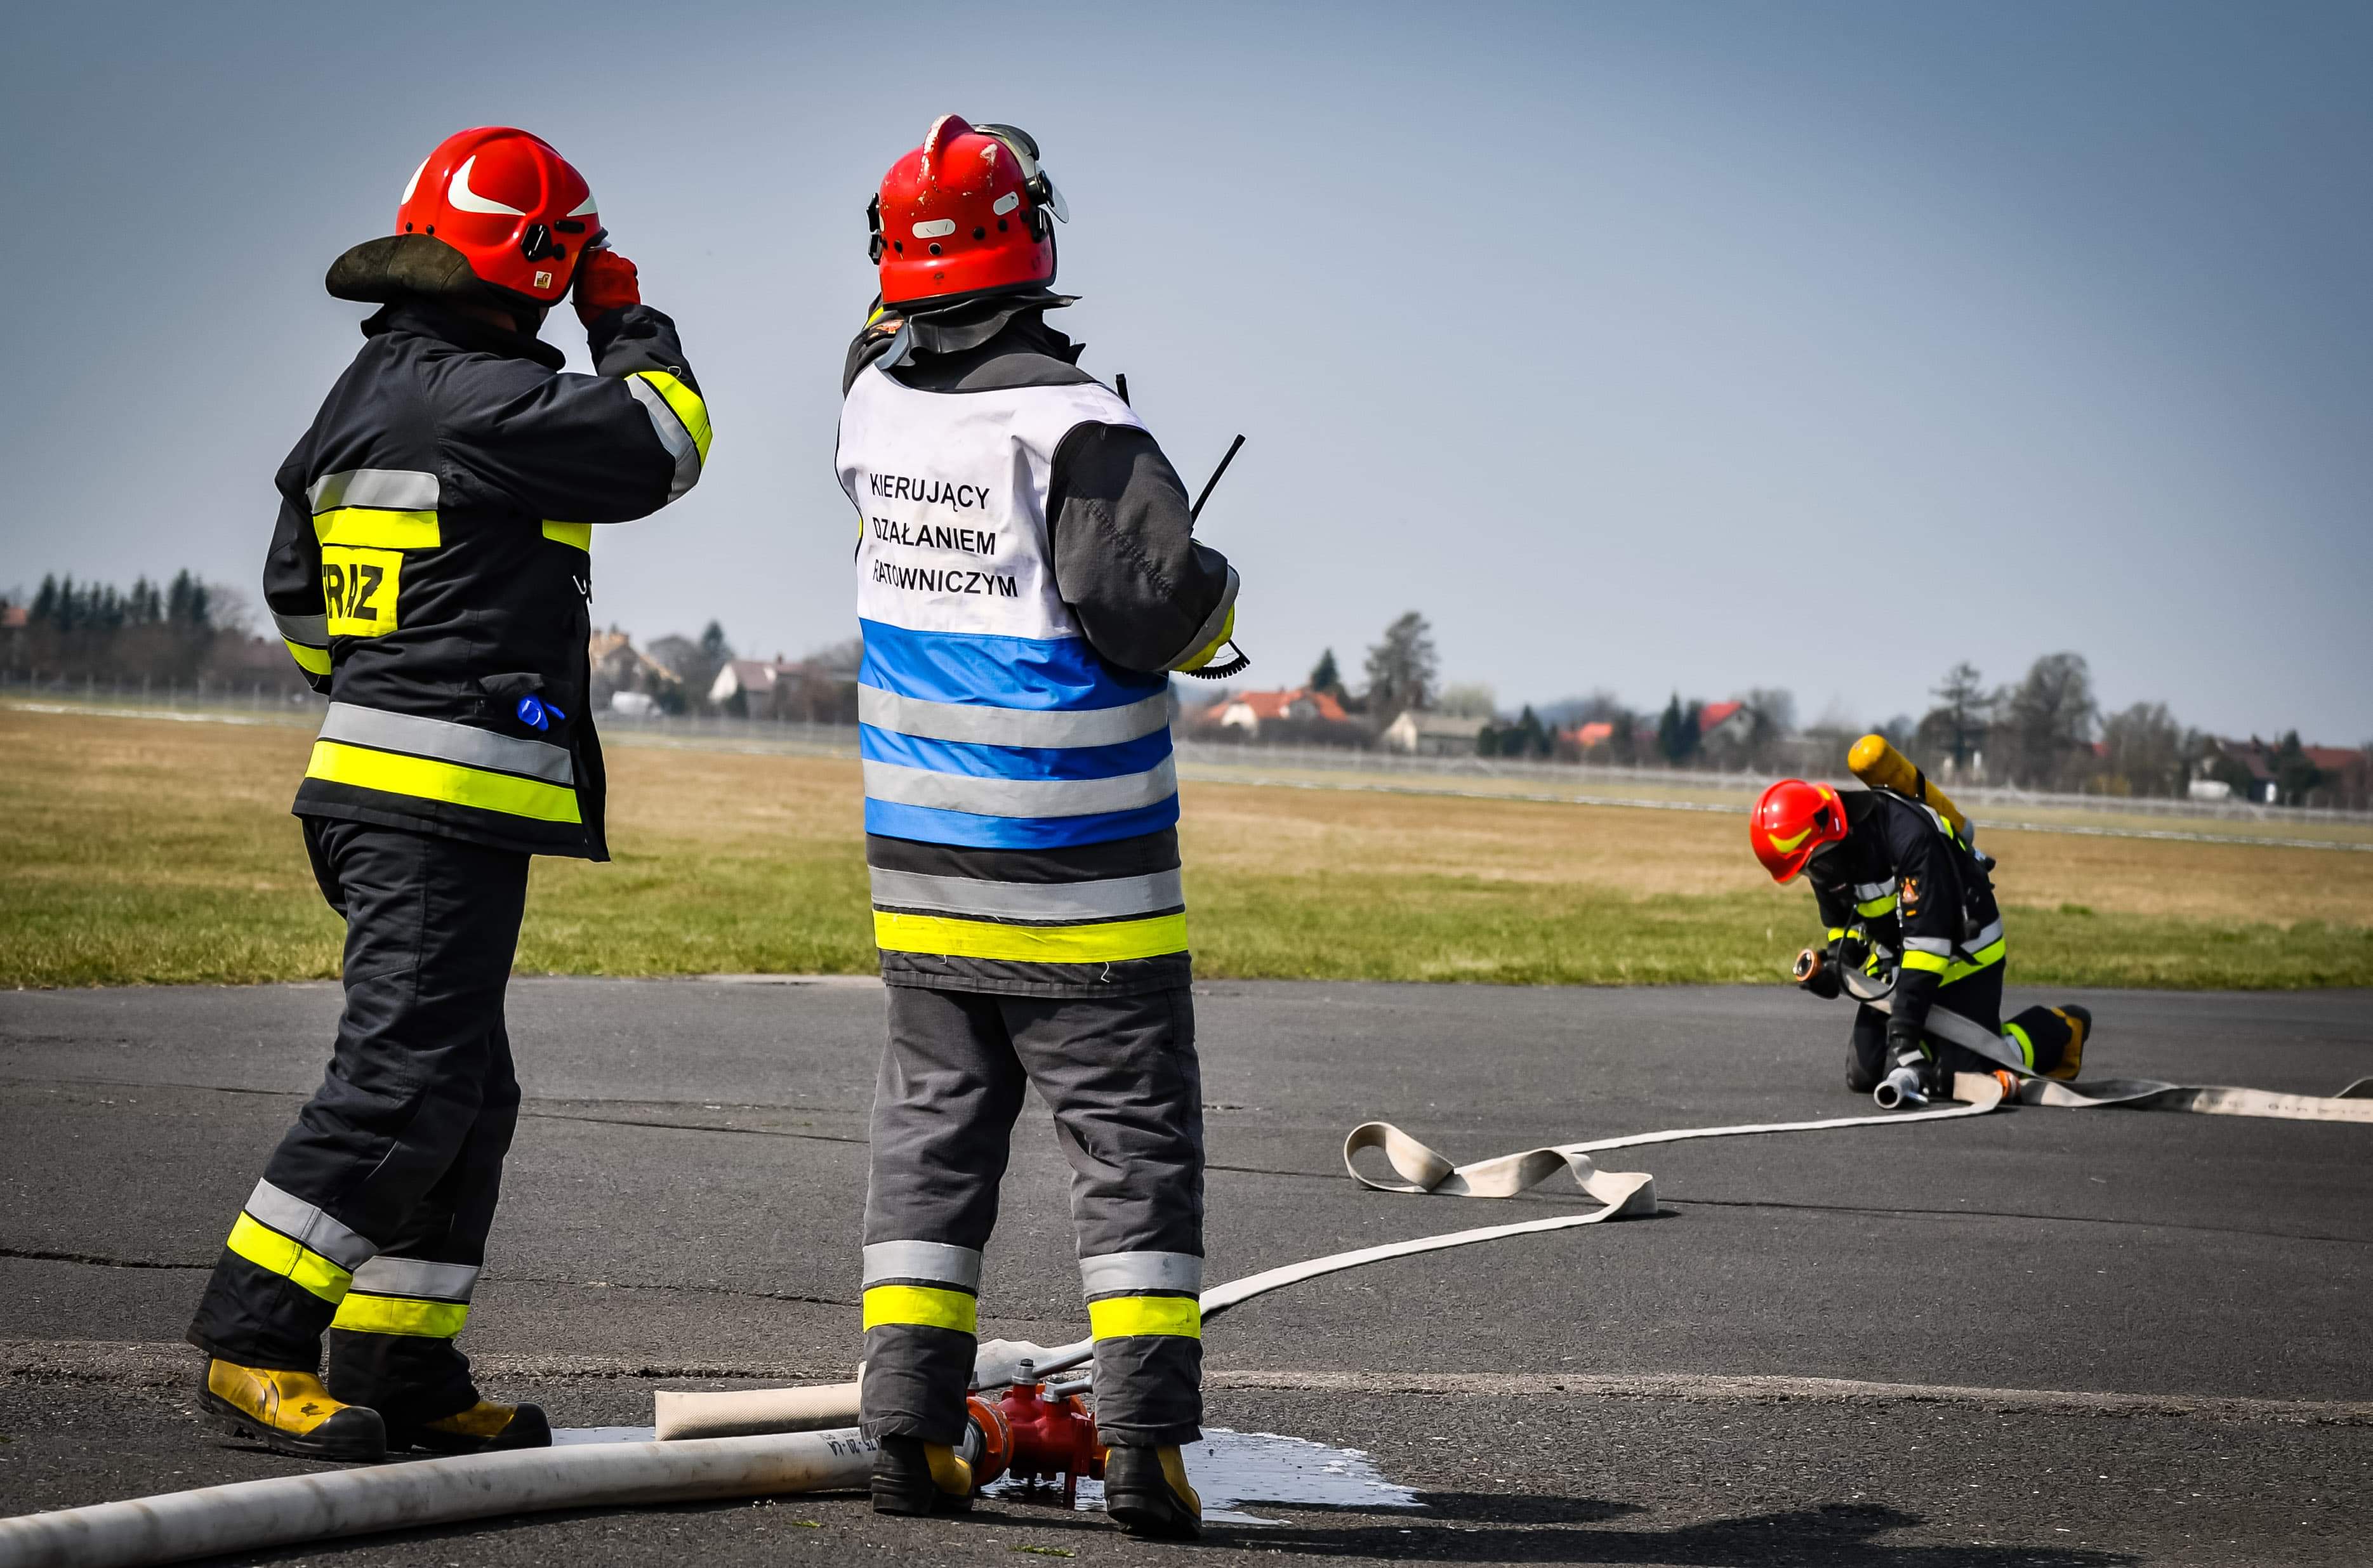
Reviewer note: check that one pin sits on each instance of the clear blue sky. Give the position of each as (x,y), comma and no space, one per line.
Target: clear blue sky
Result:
(1640,346)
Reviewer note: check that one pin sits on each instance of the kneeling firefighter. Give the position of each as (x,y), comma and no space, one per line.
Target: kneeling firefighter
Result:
(1913,932)
(431,572)
(1026,580)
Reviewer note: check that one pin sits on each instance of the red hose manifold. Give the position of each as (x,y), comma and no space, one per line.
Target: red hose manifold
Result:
(1045,1440)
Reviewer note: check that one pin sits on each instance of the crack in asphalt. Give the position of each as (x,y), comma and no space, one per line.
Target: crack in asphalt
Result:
(96,1261)
(1879,1210)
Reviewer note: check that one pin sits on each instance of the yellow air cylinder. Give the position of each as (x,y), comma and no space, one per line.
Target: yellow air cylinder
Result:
(1881,767)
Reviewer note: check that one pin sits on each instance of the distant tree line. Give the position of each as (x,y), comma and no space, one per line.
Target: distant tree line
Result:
(183,631)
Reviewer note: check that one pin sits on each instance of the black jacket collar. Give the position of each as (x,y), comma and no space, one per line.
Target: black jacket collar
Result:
(430,320)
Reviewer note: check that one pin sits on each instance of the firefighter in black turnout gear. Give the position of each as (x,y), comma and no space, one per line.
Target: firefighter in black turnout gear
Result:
(1905,896)
(1026,581)
(431,572)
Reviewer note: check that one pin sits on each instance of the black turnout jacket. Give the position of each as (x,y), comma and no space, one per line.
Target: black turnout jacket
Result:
(431,568)
(1913,886)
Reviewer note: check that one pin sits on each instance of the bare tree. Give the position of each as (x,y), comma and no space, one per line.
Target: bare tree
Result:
(1402,669)
(2047,722)
(2147,751)
(1471,700)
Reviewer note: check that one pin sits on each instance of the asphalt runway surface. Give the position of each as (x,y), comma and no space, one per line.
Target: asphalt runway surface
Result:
(2038,1337)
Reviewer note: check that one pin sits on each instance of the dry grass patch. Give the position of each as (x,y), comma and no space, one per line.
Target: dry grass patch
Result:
(151,850)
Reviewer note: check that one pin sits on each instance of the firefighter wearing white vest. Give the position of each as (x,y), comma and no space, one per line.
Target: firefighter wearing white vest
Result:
(1026,581)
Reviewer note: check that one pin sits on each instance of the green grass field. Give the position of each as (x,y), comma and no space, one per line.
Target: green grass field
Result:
(146,851)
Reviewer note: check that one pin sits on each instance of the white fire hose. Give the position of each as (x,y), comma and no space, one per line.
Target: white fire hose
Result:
(698,1455)
(251,1515)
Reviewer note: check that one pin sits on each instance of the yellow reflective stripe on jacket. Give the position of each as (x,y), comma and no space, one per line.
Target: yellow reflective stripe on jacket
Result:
(426,778)
(1120,1317)
(1108,942)
(1837,933)
(2026,1045)
(372,527)
(1875,908)
(1984,958)
(576,535)
(689,408)
(367,1314)
(921,1307)
(312,661)
(1927,963)
(278,1254)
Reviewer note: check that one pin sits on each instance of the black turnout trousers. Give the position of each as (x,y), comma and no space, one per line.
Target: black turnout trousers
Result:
(374,1208)
(1977,997)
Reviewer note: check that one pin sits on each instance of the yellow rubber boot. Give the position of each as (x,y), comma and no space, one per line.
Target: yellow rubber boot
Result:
(289,1412)
(1146,1494)
(484,1428)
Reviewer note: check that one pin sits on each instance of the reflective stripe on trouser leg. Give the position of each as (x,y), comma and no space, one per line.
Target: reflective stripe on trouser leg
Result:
(943,1110)
(401,1148)
(2046,1032)
(1121,1076)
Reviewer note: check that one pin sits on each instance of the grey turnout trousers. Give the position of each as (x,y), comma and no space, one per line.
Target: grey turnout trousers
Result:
(1121,1076)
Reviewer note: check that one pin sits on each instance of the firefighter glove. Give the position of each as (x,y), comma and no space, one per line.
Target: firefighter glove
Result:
(605,282)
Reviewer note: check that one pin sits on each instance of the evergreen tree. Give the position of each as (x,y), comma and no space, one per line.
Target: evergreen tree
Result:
(1677,730)
(1325,676)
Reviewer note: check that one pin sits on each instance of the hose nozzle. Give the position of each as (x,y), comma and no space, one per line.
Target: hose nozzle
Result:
(1900,1087)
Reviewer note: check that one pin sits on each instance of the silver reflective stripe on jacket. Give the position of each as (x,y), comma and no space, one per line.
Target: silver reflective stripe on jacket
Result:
(382,489)
(1986,938)
(936,1262)
(1864,892)
(411,734)
(982,725)
(1130,1273)
(386,1276)
(1936,946)
(671,434)
(1112,898)
(905,785)
(313,631)
(308,1227)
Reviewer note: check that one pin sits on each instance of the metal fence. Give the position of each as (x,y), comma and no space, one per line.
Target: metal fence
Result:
(725,733)
(1747,782)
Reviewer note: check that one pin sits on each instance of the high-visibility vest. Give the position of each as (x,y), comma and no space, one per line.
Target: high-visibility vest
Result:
(989,721)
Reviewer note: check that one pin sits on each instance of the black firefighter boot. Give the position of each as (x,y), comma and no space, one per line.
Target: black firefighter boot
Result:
(484,1428)
(912,1476)
(1146,1494)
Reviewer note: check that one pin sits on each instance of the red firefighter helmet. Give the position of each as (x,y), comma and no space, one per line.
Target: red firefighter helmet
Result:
(518,212)
(967,212)
(1793,820)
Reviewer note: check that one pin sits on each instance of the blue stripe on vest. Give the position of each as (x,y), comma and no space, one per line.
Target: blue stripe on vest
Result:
(1015,762)
(931,826)
(1004,672)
